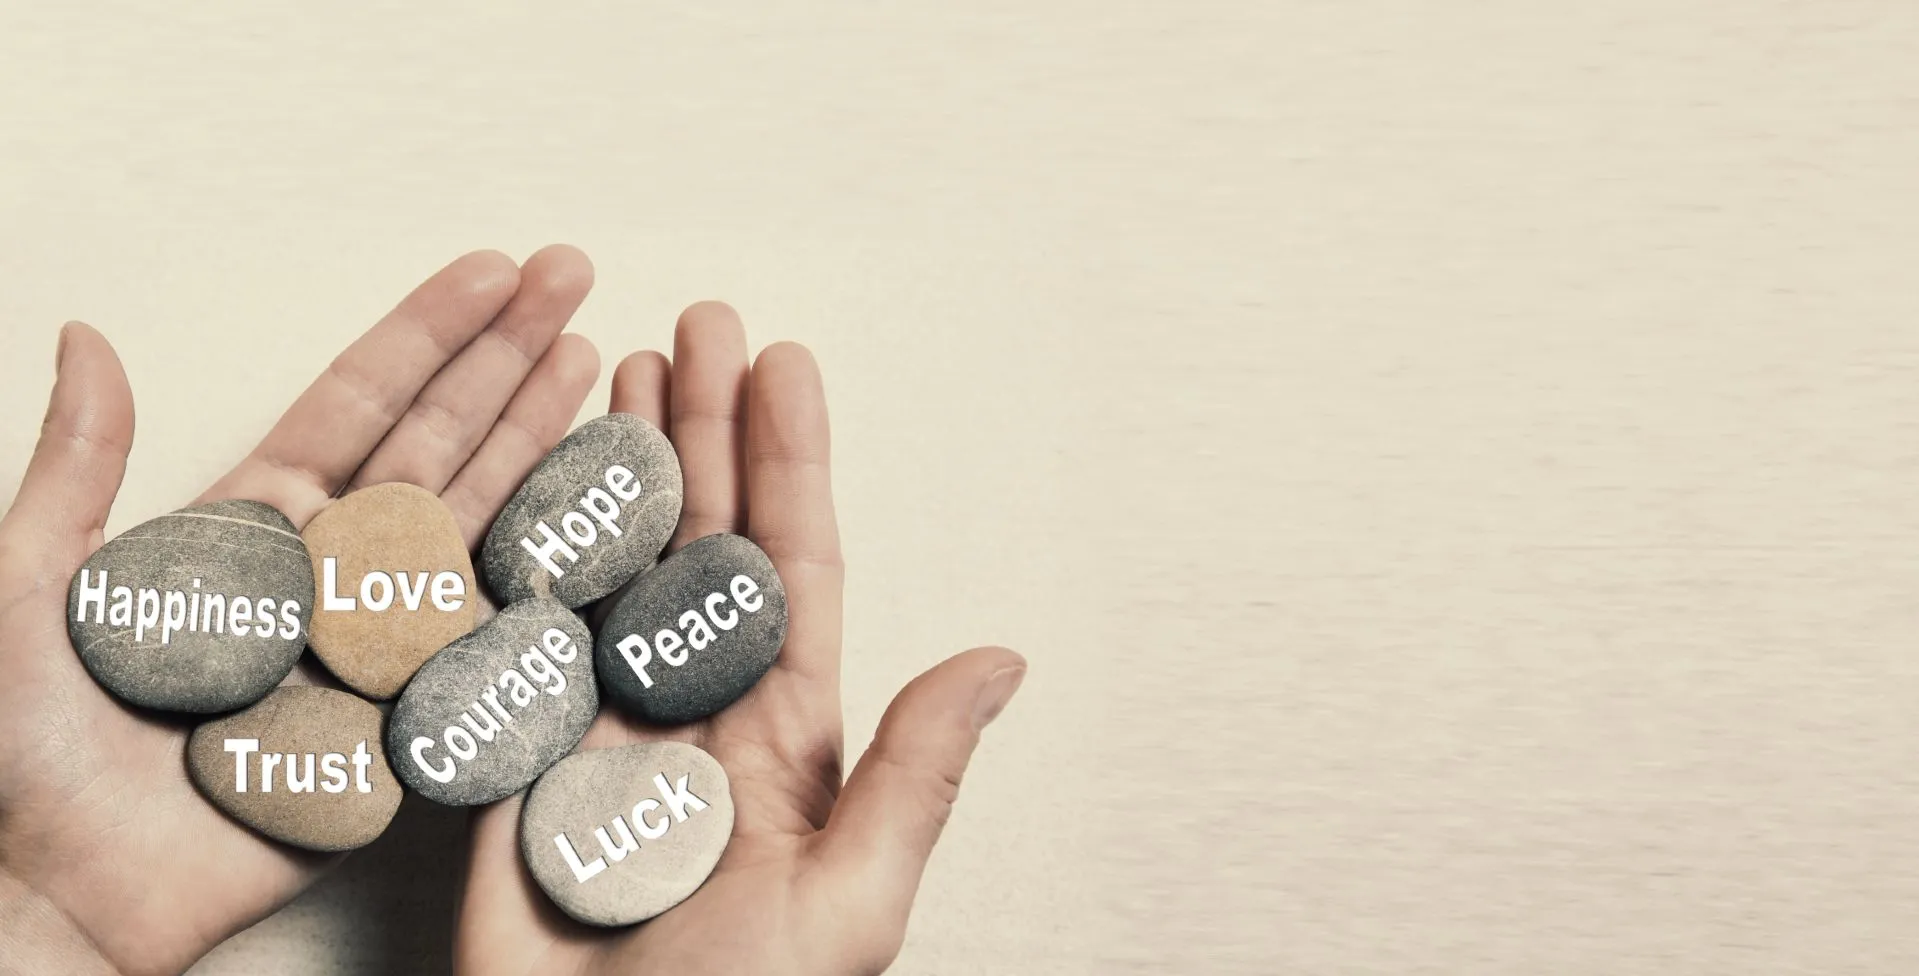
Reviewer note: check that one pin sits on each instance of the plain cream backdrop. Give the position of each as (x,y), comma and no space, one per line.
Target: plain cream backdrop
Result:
(1452,466)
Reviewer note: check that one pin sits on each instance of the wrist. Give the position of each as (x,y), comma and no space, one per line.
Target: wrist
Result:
(37,937)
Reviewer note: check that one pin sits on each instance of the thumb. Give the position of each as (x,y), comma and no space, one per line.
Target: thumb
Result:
(899,797)
(76,468)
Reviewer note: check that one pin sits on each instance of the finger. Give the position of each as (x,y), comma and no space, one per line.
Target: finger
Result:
(899,797)
(641,386)
(75,472)
(709,383)
(505,924)
(328,432)
(790,505)
(453,414)
(535,420)
(790,515)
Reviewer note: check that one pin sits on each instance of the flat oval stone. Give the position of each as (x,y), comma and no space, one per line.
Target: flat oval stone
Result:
(617,836)
(693,634)
(498,707)
(594,513)
(395,585)
(201,610)
(304,767)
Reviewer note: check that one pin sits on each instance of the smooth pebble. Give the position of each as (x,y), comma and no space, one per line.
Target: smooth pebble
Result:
(595,512)
(617,836)
(494,709)
(303,766)
(202,610)
(695,633)
(395,585)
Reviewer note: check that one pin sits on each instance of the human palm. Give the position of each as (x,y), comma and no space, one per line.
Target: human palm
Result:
(814,880)
(109,861)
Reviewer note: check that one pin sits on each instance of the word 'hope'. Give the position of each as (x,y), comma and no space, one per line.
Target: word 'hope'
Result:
(596,505)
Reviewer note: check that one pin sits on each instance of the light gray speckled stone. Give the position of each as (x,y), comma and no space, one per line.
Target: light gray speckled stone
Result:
(517,694)
(245,552)
(693,634)
(646,825)
(577,495)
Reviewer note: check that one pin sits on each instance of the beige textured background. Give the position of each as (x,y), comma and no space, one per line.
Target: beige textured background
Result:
(1452,466)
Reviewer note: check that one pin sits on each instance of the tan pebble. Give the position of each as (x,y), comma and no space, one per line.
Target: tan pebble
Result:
(400,586)
(304,766)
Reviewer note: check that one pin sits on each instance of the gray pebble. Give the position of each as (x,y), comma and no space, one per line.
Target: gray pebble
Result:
(595,512)
(693,634)
(201,610)
(617,836)
(494,709)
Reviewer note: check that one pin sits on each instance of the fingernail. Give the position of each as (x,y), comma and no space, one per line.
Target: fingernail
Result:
(997,691)
(60,349)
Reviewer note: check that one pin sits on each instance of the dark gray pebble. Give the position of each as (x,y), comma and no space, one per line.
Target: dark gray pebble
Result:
(692,635)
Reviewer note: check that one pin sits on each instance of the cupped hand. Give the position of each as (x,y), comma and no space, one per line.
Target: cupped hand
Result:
(109,861)
(816,879)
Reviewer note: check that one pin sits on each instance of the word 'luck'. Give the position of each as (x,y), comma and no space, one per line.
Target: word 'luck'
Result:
(678,799)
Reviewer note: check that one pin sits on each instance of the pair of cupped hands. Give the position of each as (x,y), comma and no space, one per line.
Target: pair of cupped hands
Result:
(110,862)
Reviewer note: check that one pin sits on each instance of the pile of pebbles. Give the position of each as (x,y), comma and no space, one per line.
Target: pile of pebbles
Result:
(206,610)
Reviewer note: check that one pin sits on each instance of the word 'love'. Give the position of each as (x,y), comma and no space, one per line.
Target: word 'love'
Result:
(378,588)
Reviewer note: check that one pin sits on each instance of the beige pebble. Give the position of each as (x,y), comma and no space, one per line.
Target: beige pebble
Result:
(617,836)
(304,766)
(394,584)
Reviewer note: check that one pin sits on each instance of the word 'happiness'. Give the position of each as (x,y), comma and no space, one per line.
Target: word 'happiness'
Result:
(184,611)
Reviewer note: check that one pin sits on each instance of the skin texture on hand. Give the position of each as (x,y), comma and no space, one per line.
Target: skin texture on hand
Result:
(109,861)
(817,879)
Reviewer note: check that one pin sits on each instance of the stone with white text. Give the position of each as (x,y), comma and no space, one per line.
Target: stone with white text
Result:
(394,584)
(304,766)
(617,836)
(695,633)
(494,709)
(201,610)
(595,512)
